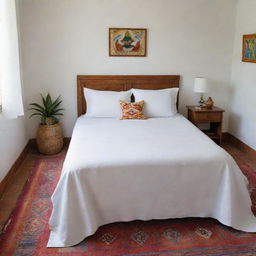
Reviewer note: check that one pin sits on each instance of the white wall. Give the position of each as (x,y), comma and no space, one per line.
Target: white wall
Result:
(13,139)
(63,38)
(243,105)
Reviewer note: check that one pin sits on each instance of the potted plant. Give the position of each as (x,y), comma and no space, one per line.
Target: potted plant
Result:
(49,136)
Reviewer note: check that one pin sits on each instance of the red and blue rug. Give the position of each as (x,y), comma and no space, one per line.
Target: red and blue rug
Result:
(28,231)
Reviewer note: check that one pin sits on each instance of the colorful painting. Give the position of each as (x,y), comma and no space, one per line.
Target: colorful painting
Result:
(249,48)
(130,42)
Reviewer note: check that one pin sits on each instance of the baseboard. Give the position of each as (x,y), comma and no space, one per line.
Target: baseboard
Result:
(32,142)
(239,144)
(8,179)
(13,171)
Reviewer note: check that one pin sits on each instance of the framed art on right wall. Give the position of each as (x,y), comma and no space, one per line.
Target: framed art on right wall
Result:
(249,48)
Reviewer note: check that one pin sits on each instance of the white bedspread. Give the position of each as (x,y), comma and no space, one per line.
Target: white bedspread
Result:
(122,170)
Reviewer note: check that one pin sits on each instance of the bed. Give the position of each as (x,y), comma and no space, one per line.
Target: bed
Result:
(122,170)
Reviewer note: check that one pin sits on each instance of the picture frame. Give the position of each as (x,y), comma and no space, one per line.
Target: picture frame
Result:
(127,42)
(249,48)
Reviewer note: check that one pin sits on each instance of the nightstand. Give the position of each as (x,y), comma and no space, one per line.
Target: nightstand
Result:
(213,117)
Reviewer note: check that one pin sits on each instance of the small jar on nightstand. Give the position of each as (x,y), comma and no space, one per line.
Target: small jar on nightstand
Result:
(213,117)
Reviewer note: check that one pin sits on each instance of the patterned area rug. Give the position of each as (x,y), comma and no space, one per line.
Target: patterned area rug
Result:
(28,231)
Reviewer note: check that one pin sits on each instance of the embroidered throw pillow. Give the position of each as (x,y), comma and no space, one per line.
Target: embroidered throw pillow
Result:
(132,110)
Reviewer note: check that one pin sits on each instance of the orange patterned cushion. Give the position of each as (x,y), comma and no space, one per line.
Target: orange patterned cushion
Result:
(132,110)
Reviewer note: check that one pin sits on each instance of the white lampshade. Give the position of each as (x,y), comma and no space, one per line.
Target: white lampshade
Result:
(201,85)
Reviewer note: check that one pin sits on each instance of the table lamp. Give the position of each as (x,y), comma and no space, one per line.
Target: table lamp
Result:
(201,86)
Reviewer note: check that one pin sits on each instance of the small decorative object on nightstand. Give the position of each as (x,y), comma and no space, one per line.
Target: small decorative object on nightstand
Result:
(209,103)
(212,116)
(201,86)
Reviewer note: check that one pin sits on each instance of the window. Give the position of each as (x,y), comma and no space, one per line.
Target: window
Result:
(1,46)
(10,82)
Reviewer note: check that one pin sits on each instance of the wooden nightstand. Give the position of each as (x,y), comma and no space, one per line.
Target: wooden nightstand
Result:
(211,116)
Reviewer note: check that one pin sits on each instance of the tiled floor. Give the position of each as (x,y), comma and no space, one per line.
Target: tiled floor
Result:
(8,201)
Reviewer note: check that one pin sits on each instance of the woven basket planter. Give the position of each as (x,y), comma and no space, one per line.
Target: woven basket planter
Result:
(49,139)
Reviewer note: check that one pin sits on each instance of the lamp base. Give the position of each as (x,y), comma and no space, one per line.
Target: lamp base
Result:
(201,102)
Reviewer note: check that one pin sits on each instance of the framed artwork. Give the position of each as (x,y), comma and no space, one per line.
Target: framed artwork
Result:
(249,48)
(130,42)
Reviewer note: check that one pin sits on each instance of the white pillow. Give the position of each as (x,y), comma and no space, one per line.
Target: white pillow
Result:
(158,103)
(105,103)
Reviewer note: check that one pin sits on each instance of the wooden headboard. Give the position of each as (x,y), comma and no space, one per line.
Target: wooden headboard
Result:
(122,83)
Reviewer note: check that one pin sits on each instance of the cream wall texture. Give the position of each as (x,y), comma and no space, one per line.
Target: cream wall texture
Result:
(243,104)
(12,141)
(64,38)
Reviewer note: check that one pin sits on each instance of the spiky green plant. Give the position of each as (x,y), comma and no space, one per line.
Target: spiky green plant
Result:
(49,111)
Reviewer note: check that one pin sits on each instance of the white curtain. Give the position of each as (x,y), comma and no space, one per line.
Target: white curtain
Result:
(10,81)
